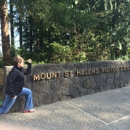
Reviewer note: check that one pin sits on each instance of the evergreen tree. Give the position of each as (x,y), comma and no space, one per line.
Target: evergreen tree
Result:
(5,33)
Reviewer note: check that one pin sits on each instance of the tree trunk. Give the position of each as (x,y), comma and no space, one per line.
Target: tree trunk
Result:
(20,32)
(5,34)
(11,22)
(31,37)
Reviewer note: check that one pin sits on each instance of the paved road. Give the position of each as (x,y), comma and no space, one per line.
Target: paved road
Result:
(109,110)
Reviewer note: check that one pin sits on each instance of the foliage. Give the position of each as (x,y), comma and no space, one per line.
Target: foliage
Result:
(123,58)
(73,31)
(61,54)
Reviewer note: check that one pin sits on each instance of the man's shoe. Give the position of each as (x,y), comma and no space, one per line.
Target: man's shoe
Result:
(28,110)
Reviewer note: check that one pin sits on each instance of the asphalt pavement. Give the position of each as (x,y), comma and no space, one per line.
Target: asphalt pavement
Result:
(108,110)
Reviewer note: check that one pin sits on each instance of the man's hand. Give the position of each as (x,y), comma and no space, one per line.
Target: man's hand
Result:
(29,61)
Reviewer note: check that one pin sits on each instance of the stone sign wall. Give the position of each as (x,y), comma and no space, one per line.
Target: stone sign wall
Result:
(56,82)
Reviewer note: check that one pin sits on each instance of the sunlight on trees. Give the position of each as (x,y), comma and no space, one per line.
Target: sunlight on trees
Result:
(98,30)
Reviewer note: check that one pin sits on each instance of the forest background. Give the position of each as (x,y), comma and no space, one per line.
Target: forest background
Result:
(64,31)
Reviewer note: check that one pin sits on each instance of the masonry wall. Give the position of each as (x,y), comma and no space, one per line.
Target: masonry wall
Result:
(56,82)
